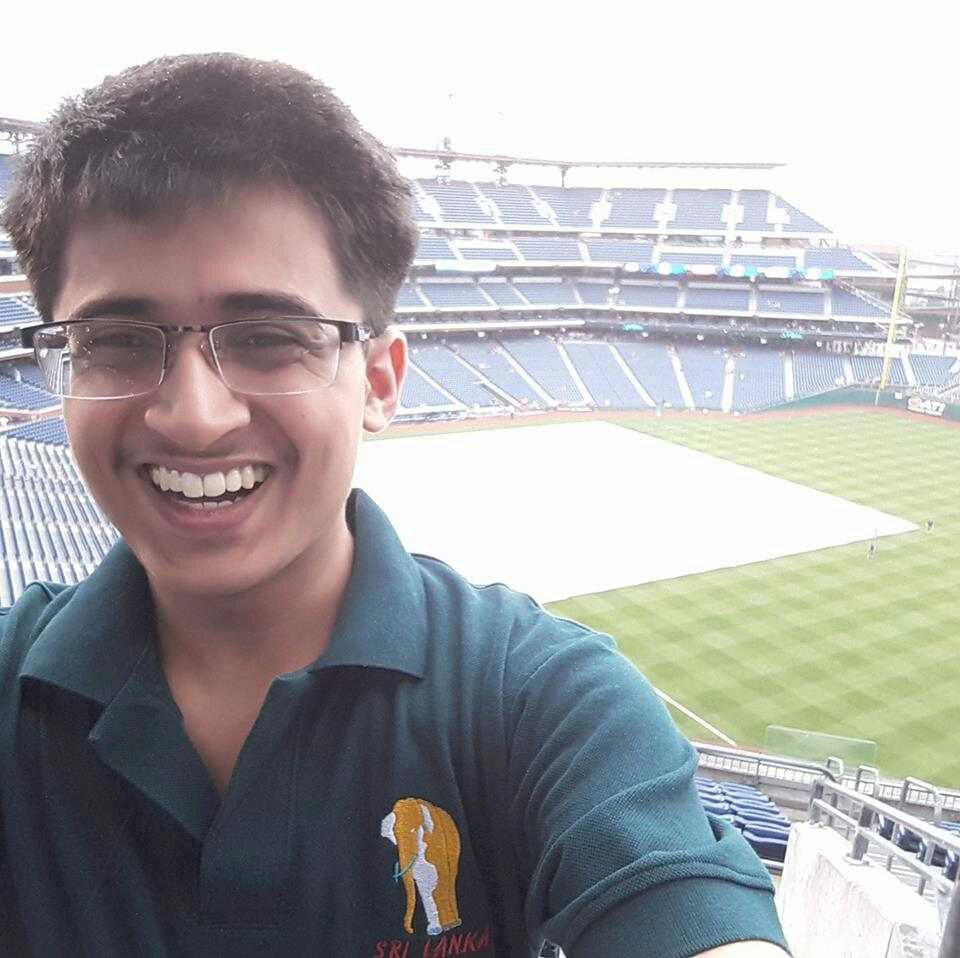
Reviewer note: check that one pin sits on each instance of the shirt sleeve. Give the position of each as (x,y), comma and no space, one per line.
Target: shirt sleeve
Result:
(619,856)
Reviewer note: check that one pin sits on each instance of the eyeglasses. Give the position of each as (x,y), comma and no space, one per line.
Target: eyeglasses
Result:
(119,359)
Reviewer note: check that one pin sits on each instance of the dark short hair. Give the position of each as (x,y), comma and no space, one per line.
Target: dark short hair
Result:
(182,130)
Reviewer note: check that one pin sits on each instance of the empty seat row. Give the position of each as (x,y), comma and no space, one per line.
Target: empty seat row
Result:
(584,207)
(756,816)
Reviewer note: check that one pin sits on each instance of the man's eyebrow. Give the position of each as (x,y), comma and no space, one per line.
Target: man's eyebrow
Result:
(247,301)
(267,301)
(127,306)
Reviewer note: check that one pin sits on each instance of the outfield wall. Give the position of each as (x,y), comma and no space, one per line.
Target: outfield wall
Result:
(900,398)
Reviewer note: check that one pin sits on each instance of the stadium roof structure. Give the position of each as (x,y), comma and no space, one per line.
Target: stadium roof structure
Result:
(504,161)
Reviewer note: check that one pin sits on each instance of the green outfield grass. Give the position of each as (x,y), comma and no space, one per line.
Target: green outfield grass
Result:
(830,640)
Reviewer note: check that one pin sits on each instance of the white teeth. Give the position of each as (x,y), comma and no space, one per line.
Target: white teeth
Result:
(211,484)
(192,485)
(214,484)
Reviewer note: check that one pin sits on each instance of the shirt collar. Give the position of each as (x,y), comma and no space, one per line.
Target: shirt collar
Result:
(92,643)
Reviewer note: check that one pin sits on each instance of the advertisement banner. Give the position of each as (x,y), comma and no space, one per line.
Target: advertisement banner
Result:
(929,407)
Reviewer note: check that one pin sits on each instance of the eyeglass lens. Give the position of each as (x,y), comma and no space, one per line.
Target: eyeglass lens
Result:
(103,359)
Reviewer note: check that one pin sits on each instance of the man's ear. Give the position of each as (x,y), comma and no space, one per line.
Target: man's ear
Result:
(386,369)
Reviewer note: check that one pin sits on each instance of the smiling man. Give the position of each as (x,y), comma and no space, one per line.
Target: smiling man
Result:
(261,727)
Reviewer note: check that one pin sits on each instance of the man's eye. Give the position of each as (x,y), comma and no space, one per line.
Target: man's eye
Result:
(118,340)
(268,340)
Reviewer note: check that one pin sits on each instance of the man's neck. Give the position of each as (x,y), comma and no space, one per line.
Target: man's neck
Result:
(249,638)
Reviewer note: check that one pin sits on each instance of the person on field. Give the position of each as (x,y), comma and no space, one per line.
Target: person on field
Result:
(261,726)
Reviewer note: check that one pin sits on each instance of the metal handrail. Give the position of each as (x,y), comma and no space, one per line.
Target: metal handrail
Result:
(780,761)
(925,830)
(919,785)
(864,836)
(874,778)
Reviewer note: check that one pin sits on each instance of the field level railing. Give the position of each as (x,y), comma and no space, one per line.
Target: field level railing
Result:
(760,766)
(859,812)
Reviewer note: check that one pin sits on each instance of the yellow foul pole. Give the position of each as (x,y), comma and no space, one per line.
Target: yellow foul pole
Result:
(894,316)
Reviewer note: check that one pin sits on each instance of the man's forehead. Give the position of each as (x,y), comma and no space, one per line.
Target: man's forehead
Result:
(251,240)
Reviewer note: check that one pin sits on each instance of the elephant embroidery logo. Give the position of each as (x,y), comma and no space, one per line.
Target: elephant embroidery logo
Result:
(428,853)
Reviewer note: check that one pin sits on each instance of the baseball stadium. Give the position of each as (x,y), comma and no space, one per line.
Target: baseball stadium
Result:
(693,418)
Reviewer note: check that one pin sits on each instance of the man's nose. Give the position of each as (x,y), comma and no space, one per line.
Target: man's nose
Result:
(193,407)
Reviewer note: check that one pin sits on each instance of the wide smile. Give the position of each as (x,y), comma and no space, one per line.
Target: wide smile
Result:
(211,490)
(212,501)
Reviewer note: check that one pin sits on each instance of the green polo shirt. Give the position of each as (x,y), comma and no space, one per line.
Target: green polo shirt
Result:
(458,773)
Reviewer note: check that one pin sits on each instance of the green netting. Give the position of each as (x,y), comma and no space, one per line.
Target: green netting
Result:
(816,746)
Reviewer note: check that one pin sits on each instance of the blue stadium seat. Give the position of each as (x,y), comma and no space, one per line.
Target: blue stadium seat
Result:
(620,251)
(485,356)
(442,366)
(846,304)
(457,294)
(651,365)
(839,259)
(790,302)
(714,299)
(457,200)
(432,248)
(571,205)
(502,292)
(769,848)
(704,370)
(550,249)
(931,370)
(549,293)
(604,378)
(515,204)
(699,209)
(758,379)
(493,253)
(633,208)
(541,359)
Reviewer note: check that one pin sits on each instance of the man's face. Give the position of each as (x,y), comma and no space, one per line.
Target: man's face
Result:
(200,267)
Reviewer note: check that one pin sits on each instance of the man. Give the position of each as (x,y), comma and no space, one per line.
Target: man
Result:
(261,727)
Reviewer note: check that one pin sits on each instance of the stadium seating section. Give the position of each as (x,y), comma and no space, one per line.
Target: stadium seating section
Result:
(747,212)
(520,371)
(51,529)
(751,812)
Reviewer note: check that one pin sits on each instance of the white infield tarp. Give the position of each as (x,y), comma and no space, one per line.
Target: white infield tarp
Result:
(563,510)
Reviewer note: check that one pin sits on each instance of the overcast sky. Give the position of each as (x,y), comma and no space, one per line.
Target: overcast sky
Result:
(861,104)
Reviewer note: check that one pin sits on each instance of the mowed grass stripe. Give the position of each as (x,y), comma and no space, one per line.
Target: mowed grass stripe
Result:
(829,640)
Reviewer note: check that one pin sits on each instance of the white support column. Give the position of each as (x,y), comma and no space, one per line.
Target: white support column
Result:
(487,384)
(526,377)
(789,387)
(453,399)
(904,357)
(729,383)
(682,383)
(575,376)
(628,372)
(847,369)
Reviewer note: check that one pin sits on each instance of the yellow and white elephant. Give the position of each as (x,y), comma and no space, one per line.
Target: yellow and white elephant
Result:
(428,851)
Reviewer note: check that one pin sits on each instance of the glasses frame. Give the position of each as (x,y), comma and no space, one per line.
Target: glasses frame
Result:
(348,330)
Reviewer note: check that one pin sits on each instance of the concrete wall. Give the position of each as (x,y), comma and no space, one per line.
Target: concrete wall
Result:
(831,908)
